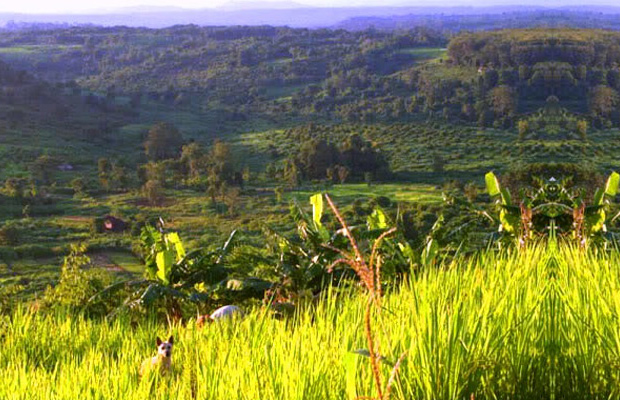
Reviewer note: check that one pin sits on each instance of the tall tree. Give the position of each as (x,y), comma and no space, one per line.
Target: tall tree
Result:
(602,100)
(104,170)
(43,167)
(220,170)
(221,162)
(153,188)
(164,141)
(119,176)
(193,160)
(316,156)
(503,101)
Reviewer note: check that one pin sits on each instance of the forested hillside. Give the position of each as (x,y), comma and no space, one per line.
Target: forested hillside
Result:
(552,91)
(213,129)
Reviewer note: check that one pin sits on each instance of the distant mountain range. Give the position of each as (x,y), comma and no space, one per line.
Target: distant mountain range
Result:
(273,13)
(256,5)
(586,18)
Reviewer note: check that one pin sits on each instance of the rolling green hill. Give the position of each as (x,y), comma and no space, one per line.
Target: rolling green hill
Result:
(423,108)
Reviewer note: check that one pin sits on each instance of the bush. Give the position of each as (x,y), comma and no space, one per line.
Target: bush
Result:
(78,284)
(75,288)
(383,201)
(96,225)
(9,235)
(139,221)
(358,208)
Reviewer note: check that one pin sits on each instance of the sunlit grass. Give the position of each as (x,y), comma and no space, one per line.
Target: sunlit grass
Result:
(418,193)
(540,324)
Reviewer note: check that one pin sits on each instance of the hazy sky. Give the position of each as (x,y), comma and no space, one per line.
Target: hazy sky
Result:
(64,6)
(79,6)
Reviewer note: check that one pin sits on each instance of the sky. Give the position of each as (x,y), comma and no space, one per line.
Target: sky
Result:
(81,6)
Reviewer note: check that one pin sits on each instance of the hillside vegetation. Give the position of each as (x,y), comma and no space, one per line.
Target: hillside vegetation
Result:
(400,214)
(216,129)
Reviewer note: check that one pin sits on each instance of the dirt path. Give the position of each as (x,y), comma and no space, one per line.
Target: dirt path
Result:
(102,260)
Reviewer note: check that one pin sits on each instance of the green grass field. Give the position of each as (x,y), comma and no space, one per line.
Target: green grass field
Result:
(397,192)
(425,53)
(539,324)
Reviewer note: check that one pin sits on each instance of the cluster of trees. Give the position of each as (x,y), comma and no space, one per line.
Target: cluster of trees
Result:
(38,185)
(23,190)
(174,163)
(528,47)
(510,72)
(112,175)
(25,99)
(315,157)
(220,59)
(171,162)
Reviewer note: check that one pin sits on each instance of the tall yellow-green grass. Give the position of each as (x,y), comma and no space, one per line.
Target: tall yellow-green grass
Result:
(540,324)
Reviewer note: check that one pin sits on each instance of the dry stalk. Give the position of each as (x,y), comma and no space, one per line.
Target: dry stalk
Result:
(370,275)
(579,225)
(375,261)
(393,374)
(526,225)
(374,356)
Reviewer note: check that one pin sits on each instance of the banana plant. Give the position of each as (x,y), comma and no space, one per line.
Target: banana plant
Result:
(595,216)
(509,213)
(554,206)
(172,275)
(569,209)
(300,260)
(396,251)
(162,251)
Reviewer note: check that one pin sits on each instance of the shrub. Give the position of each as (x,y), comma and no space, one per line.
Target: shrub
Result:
(96,225)
(358,208)
(383,201)
(78,284)
(9,235)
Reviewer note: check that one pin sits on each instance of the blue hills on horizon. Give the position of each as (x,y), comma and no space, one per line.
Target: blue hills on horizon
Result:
(282,13)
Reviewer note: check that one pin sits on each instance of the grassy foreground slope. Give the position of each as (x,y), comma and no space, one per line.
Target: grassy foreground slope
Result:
(540,324)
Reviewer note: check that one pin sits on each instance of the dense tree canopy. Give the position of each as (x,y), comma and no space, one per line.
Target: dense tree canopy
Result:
(164,141)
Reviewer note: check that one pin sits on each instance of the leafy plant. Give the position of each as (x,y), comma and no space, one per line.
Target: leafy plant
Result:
(173,277)
(299,262)
(9,297)
(554,205)
(78,283)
